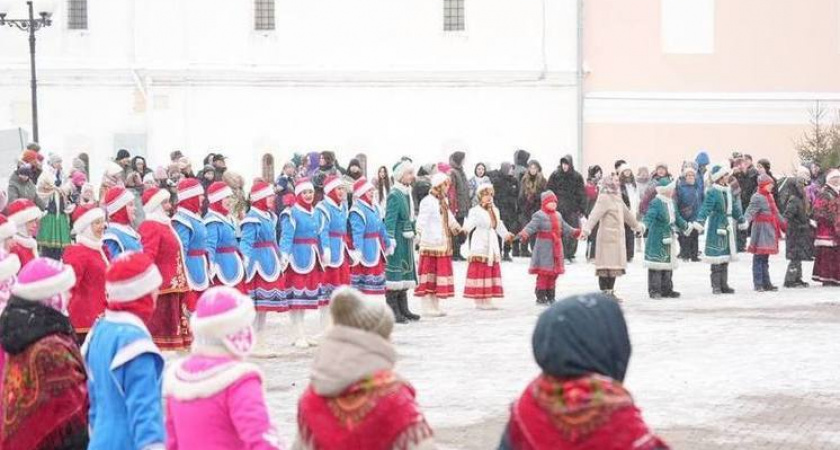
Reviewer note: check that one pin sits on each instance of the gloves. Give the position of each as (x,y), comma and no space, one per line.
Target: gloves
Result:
(391,247)
(698,226)
(722,231)
(813,223)
(284,262)
(667,241)
(408,234)
(743,226)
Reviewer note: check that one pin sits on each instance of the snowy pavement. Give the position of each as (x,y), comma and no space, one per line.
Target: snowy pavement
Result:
(747,371)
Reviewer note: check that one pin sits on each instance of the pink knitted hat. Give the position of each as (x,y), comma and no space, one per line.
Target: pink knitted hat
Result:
(43,278)
(225,314)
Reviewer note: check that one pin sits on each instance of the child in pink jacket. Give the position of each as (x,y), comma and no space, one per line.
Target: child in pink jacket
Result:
(214,399)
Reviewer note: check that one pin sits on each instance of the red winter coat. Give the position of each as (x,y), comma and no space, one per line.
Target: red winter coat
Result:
(162,245)
(87,298)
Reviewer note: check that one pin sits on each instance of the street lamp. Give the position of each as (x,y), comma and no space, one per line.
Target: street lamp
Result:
(30,25)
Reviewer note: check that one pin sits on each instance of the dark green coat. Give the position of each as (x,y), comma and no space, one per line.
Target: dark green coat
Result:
(722,214)
(400,273)
(663,221)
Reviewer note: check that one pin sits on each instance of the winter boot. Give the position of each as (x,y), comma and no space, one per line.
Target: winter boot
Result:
(541,296)
(526,252)
(515,248)
(549,296)
(402,303)
(506,257)
(668,285)
(724,280)
(654,284)
(436,303)
(716,280)
(431,307)
(391,297)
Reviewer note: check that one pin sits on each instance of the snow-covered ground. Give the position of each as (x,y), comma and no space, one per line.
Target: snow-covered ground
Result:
(748,371)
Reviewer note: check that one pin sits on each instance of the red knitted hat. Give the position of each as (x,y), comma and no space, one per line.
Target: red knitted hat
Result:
(153,198)
(84,216)
(23,210)
(260,190)
(117,198)
(189,188)
(218,191)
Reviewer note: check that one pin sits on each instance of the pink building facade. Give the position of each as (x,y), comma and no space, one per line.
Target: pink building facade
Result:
(666,78)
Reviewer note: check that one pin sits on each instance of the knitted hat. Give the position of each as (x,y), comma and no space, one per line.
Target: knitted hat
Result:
(43,278)
(304,184)
(443,167)
(361,187)
(117,198)
(833,173)
(175,155)
(401,168)
(547,197)
(78,178)
(218,191)
(225,314)
(7,228)
(483,187)
(131,276)
(803,172)
(25,170)
(122,154)
(260,190)
(54,158)
(9,265)
(718,171)
(30,157)
(439,178)
(22,211)
(349,307)
(189,188)
(153,198)
(331,183)
(84,216)
(689,166)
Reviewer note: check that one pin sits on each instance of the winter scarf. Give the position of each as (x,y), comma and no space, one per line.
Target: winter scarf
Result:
(219,207)
(556,230)
(348,355)
(766,191)
(439,194)
(299,200)
(192,205)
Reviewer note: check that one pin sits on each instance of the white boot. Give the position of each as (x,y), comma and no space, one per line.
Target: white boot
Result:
(438,312)
(428,306)
(262,349)
(298,329)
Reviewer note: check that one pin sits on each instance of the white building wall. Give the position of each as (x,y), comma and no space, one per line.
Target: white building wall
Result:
(372,76)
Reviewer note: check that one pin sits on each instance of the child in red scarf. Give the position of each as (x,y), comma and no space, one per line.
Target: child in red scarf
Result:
(547,258)
(767,227)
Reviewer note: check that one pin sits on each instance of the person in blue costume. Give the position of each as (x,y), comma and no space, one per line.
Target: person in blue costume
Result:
(120,236)
(125,367)
(192,234)
(260,256)
(331,214)
(303,251)
(225,261)
(371,243)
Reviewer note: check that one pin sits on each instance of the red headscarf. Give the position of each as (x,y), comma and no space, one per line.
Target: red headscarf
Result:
(302,203)
(334,196)
(219,207)
(143,307)
(191,204)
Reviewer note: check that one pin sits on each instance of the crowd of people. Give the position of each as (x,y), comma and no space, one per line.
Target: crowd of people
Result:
(103,279)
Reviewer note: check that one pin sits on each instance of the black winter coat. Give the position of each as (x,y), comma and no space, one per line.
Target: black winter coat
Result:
(569,189)
(507,191)
(800,235)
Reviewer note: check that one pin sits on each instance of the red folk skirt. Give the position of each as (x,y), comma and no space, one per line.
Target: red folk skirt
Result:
(826,265)
(370,280)
(333,278)
(484,281)
(242,286)
(436,277)
(169,326)
(268,296)
(303,290)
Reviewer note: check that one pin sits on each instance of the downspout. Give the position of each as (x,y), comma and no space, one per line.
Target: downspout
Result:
(580,74)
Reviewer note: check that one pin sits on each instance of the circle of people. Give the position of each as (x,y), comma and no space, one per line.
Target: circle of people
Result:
(201,270)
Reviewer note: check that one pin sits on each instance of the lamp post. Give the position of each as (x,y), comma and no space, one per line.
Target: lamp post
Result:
(30,25)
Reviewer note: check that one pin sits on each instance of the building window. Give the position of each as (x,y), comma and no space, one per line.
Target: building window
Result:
(77,14)
(263,15)
(268,168)
(688,26)
(453,15)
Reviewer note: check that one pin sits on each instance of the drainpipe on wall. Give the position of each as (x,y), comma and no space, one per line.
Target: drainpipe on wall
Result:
(580,93)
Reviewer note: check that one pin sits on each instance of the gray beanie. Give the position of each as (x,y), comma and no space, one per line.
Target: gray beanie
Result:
(350,308)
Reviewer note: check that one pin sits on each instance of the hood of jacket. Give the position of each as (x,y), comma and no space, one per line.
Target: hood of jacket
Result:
(702,159)
(25,322)
(521,157)
(568,159)
(346,356)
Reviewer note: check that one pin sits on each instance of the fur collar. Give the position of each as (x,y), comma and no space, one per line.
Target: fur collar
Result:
(183,384)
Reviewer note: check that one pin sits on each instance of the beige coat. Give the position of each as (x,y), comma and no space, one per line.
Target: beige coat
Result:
(612,213)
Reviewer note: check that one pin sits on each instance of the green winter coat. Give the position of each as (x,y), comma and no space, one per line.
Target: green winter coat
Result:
(400,273)
(723,214)
(662,222)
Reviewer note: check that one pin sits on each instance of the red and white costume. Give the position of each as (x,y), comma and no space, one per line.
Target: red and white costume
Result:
(169,326)
(21,212)
(87,297)
(484,274)
(7,232)
(120,236)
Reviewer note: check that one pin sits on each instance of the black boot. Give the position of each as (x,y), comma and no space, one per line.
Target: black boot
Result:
(549,296)
(724,280)
(668,285)
(541,296)
(716,289)
(402,303)
(506,256)
(526,252)
(515,250)
(391,298)
(654,284)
